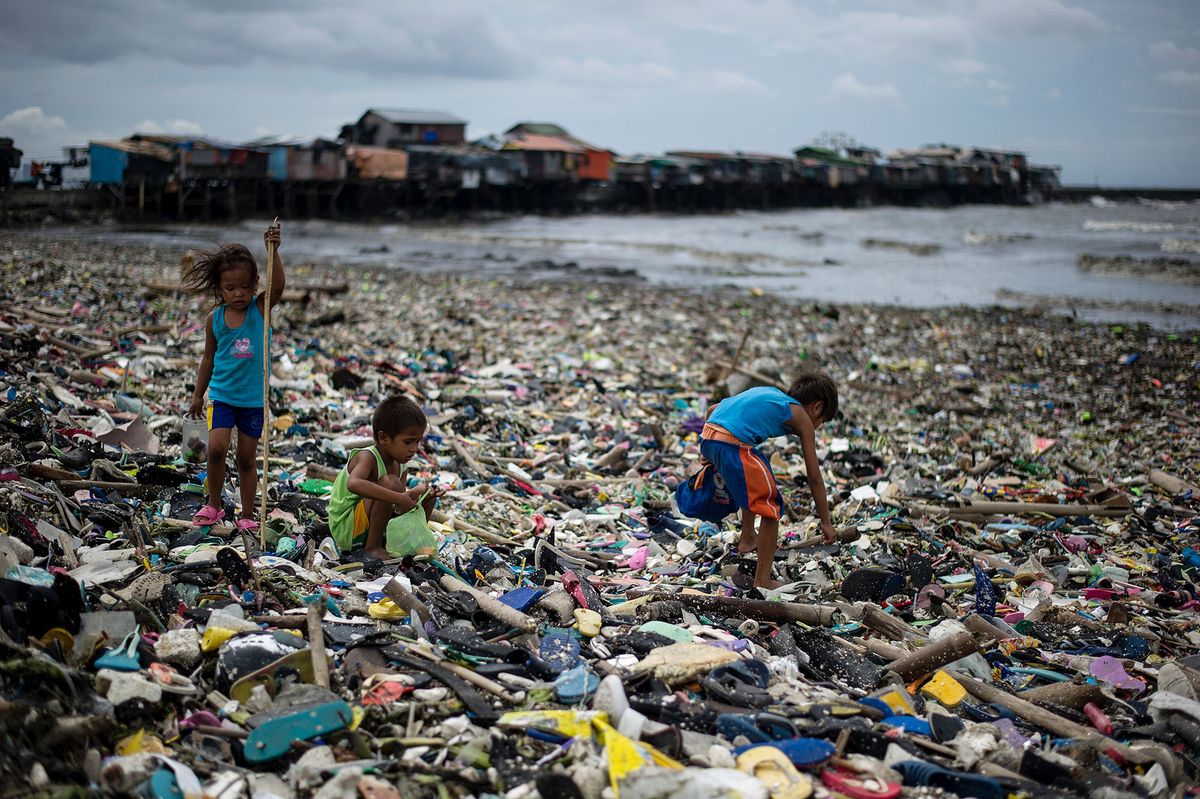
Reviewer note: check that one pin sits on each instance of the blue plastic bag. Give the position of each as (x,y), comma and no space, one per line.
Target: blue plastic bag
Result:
(704,496)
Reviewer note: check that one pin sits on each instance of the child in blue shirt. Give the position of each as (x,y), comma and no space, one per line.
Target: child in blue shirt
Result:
(231,369)
(732,432)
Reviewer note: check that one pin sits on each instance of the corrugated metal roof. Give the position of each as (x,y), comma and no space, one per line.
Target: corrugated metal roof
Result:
(146,148)
(703,155)
(409,116)
(553,144)
(550,129)
(538,129)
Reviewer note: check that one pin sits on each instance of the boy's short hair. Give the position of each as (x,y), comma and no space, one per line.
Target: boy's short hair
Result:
(395,414)
(811,386)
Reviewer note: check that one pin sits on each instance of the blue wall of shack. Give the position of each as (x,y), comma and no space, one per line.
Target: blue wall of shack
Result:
(107,165)
(277,159)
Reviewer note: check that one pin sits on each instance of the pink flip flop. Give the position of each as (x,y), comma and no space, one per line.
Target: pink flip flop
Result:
(246,524)
(208,516)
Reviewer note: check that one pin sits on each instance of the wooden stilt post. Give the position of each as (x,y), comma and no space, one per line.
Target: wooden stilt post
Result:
(266,351)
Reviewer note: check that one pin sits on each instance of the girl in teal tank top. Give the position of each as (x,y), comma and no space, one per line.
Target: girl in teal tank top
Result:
(231,369)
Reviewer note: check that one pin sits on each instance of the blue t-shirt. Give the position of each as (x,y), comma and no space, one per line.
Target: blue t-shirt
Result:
(755,415)
(238,363)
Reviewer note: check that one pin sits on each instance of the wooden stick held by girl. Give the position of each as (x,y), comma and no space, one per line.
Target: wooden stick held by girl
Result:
(232,365)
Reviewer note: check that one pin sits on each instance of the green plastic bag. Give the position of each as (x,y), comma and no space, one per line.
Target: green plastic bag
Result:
(409,534)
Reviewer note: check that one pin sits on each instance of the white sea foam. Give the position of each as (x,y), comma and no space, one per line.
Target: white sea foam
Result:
(1131,225)
(977,239)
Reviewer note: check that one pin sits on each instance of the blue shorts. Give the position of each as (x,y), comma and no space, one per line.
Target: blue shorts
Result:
(747,474)
(249,421)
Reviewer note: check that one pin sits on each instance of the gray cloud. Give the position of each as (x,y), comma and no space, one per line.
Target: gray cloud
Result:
(397,39)
(1042,18)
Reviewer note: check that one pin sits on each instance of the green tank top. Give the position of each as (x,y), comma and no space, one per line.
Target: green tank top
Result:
(343,501)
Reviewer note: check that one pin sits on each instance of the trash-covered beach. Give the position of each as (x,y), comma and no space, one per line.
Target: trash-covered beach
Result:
(1012,608)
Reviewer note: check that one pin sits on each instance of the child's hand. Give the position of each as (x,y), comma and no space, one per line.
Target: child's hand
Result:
(438,490)
(195,409)
(828,532)
(273,236)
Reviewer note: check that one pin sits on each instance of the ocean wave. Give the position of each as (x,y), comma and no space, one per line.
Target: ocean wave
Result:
(1134,226)
(1070,301)
(1164,270)
(977,239)
(913,248)
(661,248)
(1181,246)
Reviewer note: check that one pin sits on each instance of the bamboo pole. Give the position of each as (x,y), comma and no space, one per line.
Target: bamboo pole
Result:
(934,655)
(758,609)
(316,641)
(266,355)
(490,605)
(1016,508)
(1045,719)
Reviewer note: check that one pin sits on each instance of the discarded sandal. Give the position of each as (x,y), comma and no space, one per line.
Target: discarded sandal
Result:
(774,770)
(208,516)
(859,786)
(918,772)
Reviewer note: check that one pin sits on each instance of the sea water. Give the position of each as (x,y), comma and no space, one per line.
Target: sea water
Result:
(969,255)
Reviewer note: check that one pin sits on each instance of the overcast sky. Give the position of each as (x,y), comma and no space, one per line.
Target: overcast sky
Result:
(1110,89)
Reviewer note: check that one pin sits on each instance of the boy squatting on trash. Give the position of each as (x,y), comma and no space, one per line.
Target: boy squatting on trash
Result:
(732,431)
(231,369)
(369,491)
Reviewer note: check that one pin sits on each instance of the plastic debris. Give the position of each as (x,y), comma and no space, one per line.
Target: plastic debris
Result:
(1011,608)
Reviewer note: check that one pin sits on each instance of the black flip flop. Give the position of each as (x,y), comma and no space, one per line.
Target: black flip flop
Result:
(871,585)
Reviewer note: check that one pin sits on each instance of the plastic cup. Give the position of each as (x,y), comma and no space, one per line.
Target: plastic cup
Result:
(195,439)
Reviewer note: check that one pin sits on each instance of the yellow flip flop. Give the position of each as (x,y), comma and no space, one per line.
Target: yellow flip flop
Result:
(774,770)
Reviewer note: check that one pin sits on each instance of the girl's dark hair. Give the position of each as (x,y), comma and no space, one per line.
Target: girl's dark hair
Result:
(396,414)
(203,274)
(810,386)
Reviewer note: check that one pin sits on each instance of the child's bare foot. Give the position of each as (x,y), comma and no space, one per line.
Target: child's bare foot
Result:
(379,552)
(746,545)
(767,583)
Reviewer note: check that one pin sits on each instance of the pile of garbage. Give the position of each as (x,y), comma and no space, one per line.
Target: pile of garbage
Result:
(1011,609)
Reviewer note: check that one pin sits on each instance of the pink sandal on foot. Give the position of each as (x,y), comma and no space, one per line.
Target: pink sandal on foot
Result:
(207,516)
(246,524)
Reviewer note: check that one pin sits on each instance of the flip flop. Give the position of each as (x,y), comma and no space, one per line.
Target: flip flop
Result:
(802,752)
(207,516)
(873,585)
(742,684)
(918,772)
(575,684)
(273,739)
(123,657)
(920,569)
(909,724)
(559,649)
(234,567)
(771,767)
(758,728)
(944,728)
(249,525)
(856,786)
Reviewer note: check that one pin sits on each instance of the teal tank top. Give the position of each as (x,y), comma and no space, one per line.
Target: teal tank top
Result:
(755,415)
(238,363)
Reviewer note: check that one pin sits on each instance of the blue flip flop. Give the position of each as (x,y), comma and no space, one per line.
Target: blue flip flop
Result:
(803,752)
(918,772)
(575,684)
(909,724)
(558,649)
(757,727)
